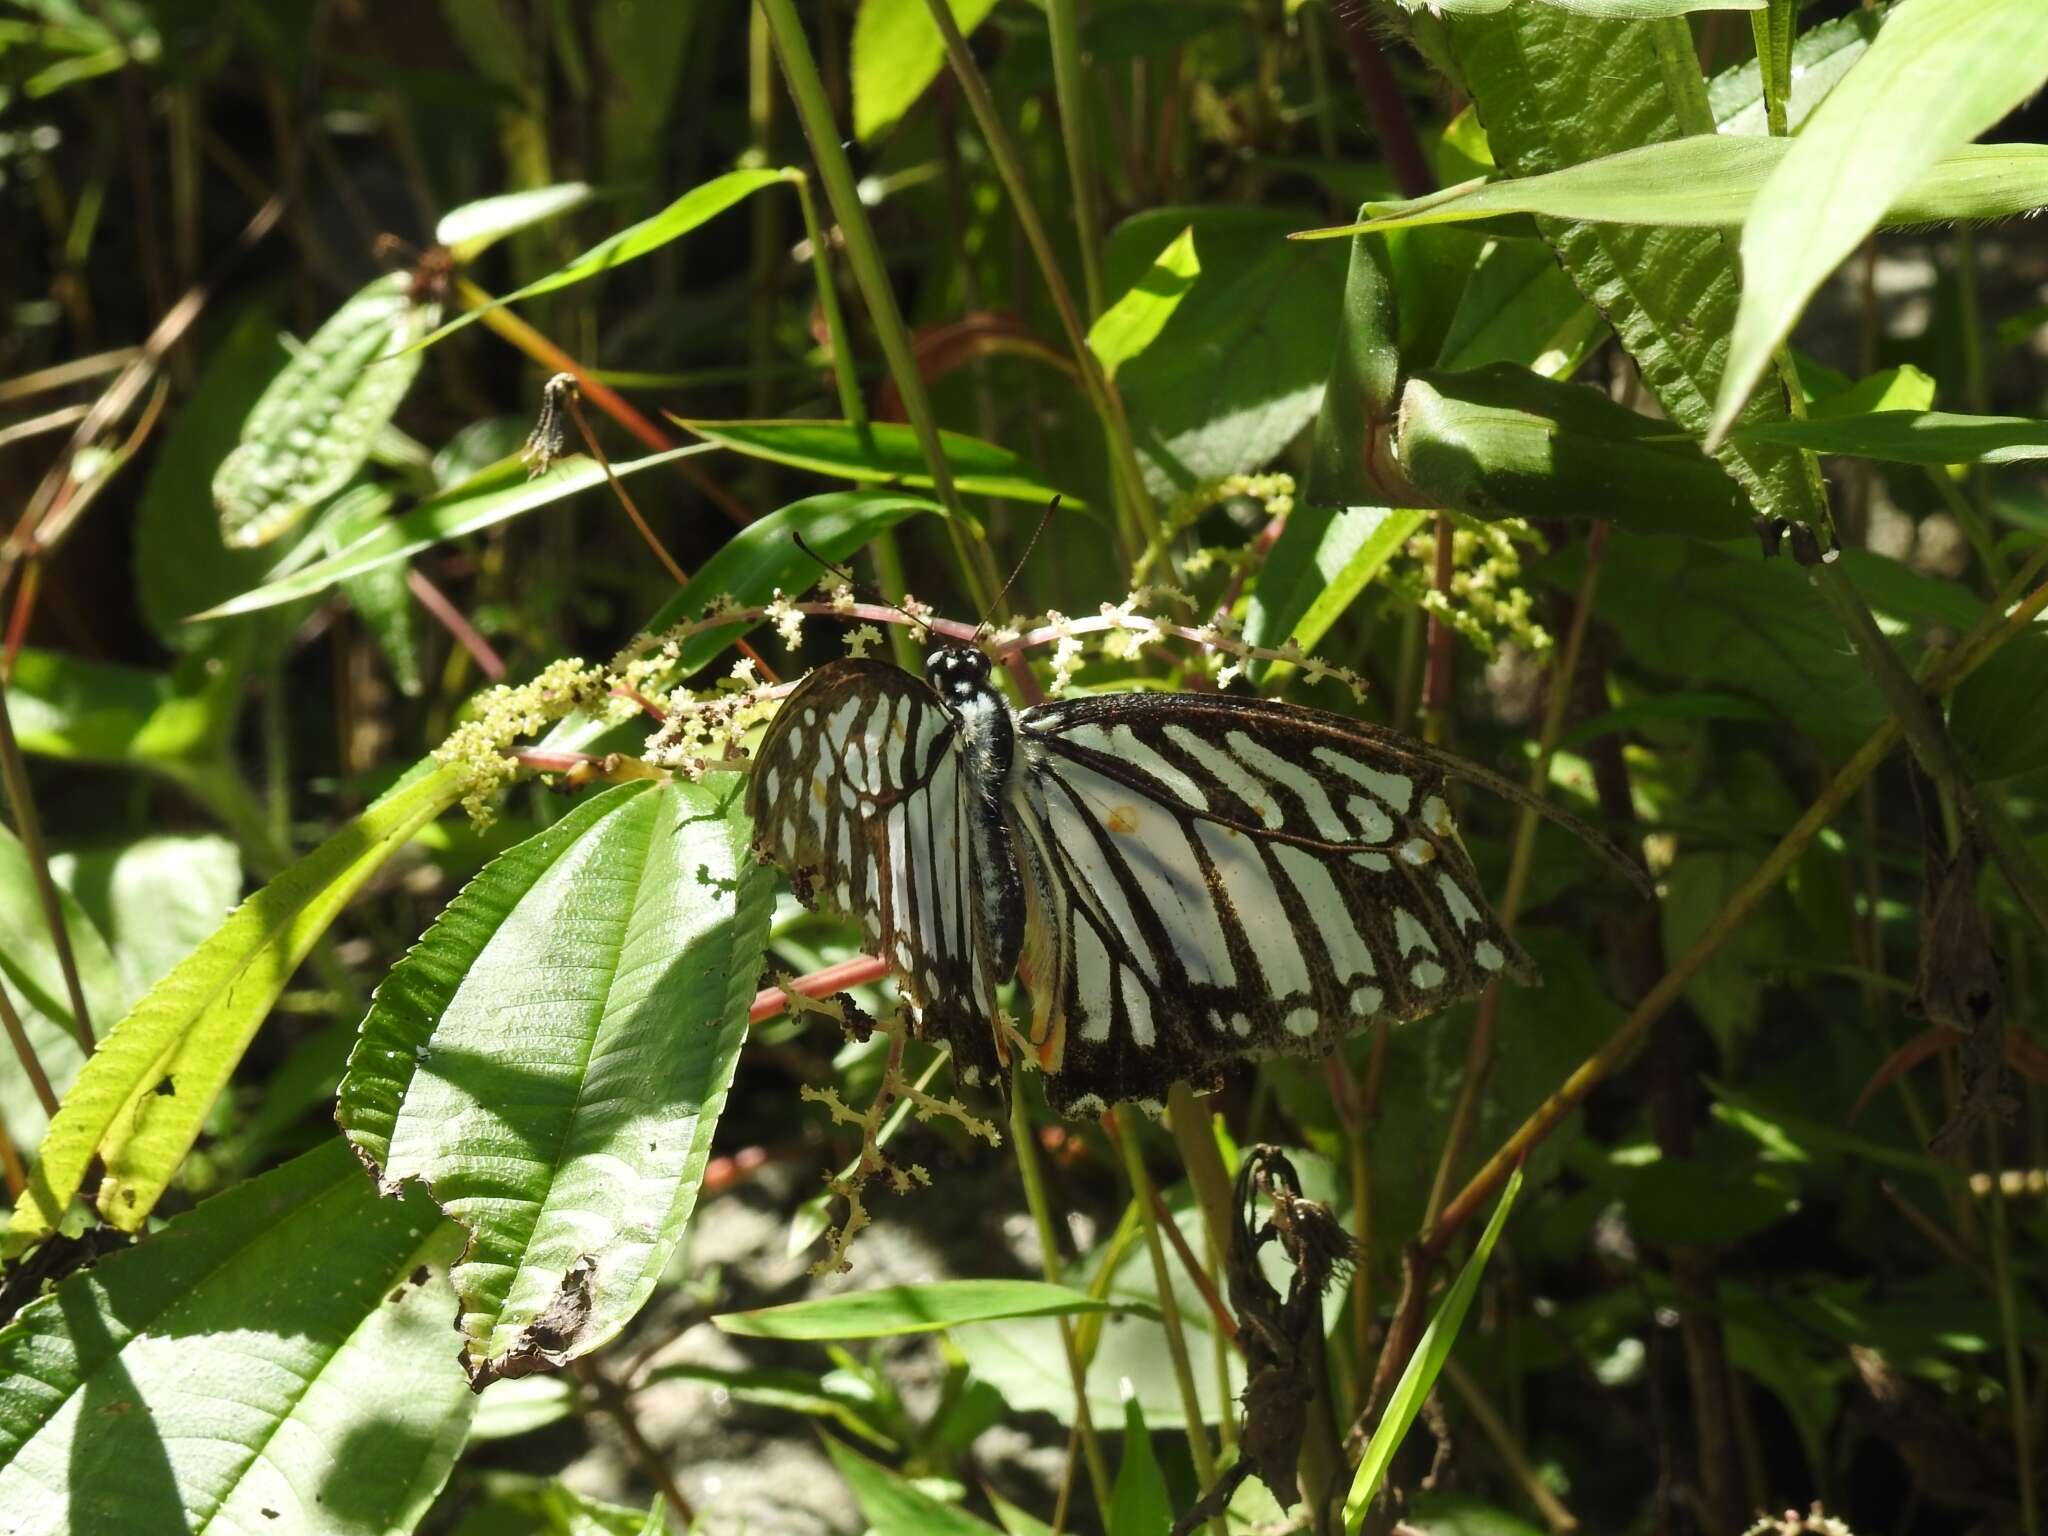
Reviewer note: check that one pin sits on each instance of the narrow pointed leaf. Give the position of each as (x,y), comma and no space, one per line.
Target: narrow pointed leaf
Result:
(895,1309)
(275,1360)
(139,1102)
(316,421)
(1712,180)
(1431,1351)
(1914,437)
(1139,1505)
(551,1059)
(1318,567)
(889,452)
(475,227)
(892,1505)
(697,206)
(1940,73)
(1611,10)
(498,494)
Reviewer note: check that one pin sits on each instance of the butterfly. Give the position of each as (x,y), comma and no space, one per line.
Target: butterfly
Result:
(1179,879)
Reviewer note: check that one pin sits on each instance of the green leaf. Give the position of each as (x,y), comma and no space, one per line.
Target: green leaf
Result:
(1996,716)
(475,227)
(1431,1351)
(1611,10)
(512,1504)
(28,959)
(897,52)
(790,1391)
(1318,567)
(551,1059)
(181,565)
(1912,437)
(273,1360)
(894,1506)
(1505,442)
(763,558)
(315,423)
(1238,370)
(1710,181)
(697,206)
(887,451)
(96,712)
(1457,1514)
(1131,324)
(140,1101)
(1363,389)
(155,899)
(1939,73)
(1519,307)
(1821,55)
(643,48)
(895,1309)
(1016,1521)
(1139,1506)
(1558,91)
(497,494)
(1904,388)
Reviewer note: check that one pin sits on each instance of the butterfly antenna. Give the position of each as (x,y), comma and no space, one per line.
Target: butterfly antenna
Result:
(1018,569)
(860,586)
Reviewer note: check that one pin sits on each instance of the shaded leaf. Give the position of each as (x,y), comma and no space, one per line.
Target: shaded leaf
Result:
(1912,437)
(475,227)
(1139,1506)
(1131,324)
(927,1308)
(894,1506)
(1995,717)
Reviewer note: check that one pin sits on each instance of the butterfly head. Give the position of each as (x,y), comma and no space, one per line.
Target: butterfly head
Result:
(957,671)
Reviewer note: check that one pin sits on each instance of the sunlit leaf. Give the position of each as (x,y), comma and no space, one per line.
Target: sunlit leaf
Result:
(550,1061)
(475,227)
(897,52)
(894,1506)
(1130,325)
(1913,437)
(1939,73)
(275,1360)
(140,1100)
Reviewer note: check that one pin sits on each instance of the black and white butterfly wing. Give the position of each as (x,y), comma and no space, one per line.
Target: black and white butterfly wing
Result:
(1220,876)
(857,793)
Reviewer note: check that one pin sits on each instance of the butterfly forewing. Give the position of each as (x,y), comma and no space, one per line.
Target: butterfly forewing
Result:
(857,793)
(1233,876)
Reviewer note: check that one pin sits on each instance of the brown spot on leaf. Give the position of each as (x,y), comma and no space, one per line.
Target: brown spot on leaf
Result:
(549,1341)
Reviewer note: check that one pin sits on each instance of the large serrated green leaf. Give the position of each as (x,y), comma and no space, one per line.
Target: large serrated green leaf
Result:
(139,1102)
(314,425)
(274,1360)
(1940,73)
(551,1059)
(1556,90)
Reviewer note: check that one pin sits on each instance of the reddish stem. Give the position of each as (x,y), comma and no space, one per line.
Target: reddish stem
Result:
(857,972)
(452,619)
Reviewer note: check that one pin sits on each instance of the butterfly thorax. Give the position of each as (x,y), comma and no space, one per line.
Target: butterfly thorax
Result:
(987,729)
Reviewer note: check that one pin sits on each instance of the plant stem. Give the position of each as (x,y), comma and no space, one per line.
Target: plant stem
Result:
(807,90)
(2009,1327)
(1123,454)
(1025,1149)
(25,1053)
(1070,90)
(14,777)
(1169,1305)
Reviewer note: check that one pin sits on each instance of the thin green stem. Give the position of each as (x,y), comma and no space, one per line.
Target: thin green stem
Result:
(1025,1149)
(814,110)
(14,777)
(25,1053)
(2009,1325)
(1070,89)
(1169,1305)
(1123,454)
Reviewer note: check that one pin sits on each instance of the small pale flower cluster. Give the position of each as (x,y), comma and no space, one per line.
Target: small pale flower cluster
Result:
(1275,489)
(1485,602)
(703,731)
(1815,1522)
(510,711)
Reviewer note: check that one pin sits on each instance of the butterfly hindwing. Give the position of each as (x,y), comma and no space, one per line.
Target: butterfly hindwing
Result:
(1234,876)
(857,793)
